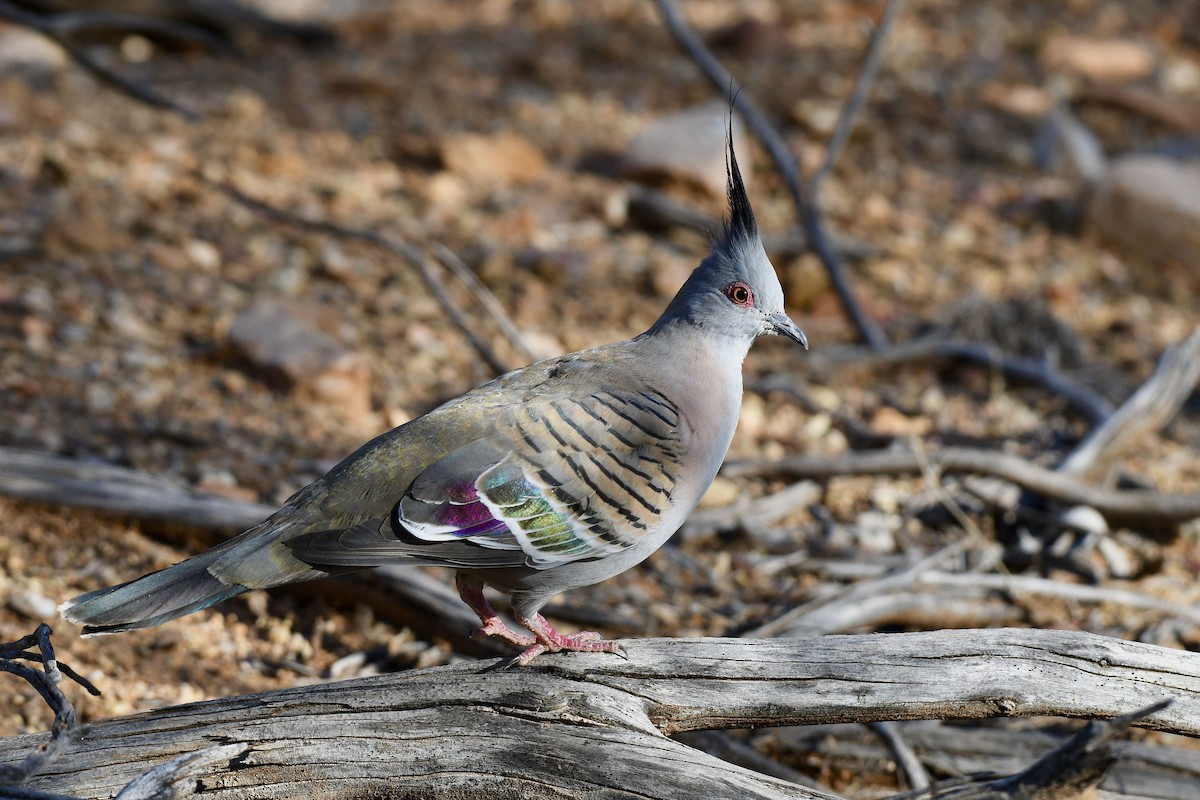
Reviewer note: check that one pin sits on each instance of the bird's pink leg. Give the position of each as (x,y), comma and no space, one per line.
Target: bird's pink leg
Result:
(551,641)
(470,589)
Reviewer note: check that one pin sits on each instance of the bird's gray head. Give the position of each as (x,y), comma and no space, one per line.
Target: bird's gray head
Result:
(735,292)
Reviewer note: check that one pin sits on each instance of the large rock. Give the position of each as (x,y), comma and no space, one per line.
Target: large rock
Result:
(280,344)
(688,145)
(500,159)
(1149,206)
(1098,59)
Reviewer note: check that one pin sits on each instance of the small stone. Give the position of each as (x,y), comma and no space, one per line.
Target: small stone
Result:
(1098,59)
(24,47)
(501,159)
(278,342)
(875,531)
(33,605)
(203,255)
(1022,100)
(137,49)
(689,146)
(446,191)
(890,422)
(1086,519)
(82,227)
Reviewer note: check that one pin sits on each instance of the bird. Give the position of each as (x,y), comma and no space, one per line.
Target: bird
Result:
(554,476)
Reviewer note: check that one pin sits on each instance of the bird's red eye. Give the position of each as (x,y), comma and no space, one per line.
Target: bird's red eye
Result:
(740,294)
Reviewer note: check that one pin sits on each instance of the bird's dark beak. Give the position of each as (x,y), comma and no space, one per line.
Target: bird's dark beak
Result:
(782,324)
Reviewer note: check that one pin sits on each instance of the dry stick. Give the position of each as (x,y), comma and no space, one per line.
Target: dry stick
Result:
(1146,412)
(1142,771)
(940,596)
(858,96)
(1133,506)
(1070,770)
(785,162)
(398,246)
(591,711)
(736,751)
(739,514)
(58,34)
(906,758)
(1015,585)
(485,298)
(1088,404)
(859,591)
(46,682)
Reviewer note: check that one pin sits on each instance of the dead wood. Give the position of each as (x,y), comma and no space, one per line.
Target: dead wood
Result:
(559,727)
(803,197)
(1132,507)
(417,260)
(1146,412)
(990,749)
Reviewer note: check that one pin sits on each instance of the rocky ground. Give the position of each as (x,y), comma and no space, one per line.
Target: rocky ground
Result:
(129,285)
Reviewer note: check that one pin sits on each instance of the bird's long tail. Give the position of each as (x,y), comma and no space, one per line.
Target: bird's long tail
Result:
(151,599)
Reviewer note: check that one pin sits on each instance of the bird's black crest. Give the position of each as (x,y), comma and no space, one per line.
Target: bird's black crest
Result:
(741,223)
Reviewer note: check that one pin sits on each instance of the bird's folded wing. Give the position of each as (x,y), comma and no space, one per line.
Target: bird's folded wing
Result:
(557,479)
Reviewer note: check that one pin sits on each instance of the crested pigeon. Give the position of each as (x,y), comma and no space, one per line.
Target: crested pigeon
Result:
(554,476)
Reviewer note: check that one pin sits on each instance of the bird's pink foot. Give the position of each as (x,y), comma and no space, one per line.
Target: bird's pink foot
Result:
(494,626)
(470,589)
(551,641)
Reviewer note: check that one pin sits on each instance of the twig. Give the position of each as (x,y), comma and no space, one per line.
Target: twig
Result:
(450,260)
(1015,585)
(46,682)
(859,591)
(759,511)
(1088,404)
(58,33)
(1147,411)
(858,95)
(1129,506)
(785,162)
(906,758)
(410,253)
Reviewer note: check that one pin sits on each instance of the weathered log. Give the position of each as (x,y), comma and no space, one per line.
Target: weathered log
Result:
(595,725)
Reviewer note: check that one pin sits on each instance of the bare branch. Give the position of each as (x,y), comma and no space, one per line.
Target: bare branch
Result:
(46,682)
(1127,506)
(491,731)
(785,162)
(1147,411)
(858,96)
(59,34)
(407,251)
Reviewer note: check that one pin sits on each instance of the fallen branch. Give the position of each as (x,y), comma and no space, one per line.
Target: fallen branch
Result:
(1067,771)
(46,682)
(59,29)
(1124,506)
(1089,405)
(985,751)
(472,730)
(405,250)
(785,162)
(1147,411)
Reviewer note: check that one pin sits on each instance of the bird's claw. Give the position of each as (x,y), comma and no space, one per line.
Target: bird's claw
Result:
(494,626)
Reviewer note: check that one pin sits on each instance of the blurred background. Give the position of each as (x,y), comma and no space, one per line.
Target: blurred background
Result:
(1022,175)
